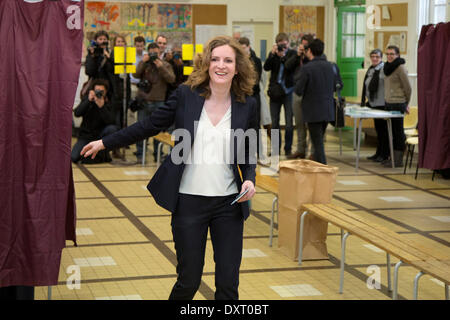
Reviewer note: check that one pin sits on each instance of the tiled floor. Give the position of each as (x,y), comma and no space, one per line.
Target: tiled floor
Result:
(125,248)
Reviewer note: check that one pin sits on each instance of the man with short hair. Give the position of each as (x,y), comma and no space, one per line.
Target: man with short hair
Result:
(281,86)
(316,86)
(158,74)
(98,119)
(139,43)
(99,64)
(161,41)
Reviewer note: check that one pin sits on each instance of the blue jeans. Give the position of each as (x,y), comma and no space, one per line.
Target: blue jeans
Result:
(79,145)
(145,112)
(275,109)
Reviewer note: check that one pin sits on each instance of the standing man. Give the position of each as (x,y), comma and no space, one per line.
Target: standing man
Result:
(245,43)
(316,86)
(281,86)
(299,61)
(139,43)
(99,64)
(158,74)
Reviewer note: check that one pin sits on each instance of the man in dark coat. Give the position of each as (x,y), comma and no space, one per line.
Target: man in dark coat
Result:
(98,119)
(281,86)
(317,85)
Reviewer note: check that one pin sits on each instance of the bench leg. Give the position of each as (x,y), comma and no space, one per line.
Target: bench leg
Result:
(158,156)
(344,241)
(416,284)
(388,262)
(300,240)
(49,293)
(397,266)
(275,201)
(144,151)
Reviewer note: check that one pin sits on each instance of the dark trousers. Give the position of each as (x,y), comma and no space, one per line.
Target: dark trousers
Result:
(79,145)
(382,138)
(398,131)
(382,135)
(316,132)
(275,109)
(17,293)
(190,223)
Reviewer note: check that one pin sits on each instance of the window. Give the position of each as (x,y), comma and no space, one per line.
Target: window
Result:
(438,11)
(353,34)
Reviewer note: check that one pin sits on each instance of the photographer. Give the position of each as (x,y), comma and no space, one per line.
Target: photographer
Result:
(298,62)
(99,64)
(155,75)
(98,119)
(281,86)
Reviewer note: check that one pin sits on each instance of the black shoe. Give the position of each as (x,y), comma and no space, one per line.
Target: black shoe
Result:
(375,156)
(380,159)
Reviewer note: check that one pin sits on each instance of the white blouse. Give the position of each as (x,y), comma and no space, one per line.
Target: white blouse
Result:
(208,170)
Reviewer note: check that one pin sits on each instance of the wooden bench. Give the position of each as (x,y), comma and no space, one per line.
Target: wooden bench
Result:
(269,184)
(162,138)
(427,260)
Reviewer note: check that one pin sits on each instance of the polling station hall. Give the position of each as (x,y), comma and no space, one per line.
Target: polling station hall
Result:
(243,157)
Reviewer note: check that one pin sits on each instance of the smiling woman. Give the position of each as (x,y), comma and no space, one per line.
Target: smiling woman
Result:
(242,82)
(203,196)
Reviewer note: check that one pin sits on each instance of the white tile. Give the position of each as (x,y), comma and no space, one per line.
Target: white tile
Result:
(253,253)
(442,218)
(84,232)
(352,182)
(439,282)
(137,173)
(129,297)
(108,261)
(373,248)
(395,199)
(298,290)
(95,261)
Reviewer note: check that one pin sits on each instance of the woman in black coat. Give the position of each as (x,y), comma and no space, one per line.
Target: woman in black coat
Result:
(195,183)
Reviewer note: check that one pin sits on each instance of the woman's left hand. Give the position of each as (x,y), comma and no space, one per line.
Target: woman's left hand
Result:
(251,192)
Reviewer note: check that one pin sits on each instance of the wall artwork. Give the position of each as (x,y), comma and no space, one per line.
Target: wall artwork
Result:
(299,20)
(140,19)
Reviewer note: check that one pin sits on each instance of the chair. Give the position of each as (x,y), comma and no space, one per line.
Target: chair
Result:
(410,122)
(411,144)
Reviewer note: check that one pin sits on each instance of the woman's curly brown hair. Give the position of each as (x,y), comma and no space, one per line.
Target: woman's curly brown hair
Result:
(243,81)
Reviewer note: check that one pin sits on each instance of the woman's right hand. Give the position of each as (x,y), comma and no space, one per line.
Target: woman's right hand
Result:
(92,148)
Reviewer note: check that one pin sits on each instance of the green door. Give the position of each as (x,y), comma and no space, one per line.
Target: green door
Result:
(351,46)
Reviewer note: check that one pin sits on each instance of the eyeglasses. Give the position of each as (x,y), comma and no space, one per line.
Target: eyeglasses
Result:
(161,42)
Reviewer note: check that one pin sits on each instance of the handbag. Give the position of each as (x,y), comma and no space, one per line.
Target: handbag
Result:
(276,92)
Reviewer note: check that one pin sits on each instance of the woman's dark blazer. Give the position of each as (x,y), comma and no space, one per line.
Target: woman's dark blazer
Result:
(183,108)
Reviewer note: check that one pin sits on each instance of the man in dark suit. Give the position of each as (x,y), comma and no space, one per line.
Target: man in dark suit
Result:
(317,85)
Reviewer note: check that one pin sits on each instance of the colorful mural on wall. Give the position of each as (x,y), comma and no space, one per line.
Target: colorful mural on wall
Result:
(299,20)
(140,19)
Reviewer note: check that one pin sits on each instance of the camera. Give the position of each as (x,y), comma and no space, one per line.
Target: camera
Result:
(99,93)
(153,56)
(145,86)
(177,55)
(98,50)
(281,47)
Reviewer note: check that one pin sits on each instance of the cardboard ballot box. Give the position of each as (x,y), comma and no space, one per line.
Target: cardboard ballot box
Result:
(302,182)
